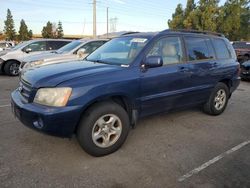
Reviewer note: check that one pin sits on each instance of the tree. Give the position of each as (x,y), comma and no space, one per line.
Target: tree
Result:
(234,19)
(47,31)
(30,34)
(177,18)
(23,31)
(190,15)
(9,28)
(208,13)
(60,30)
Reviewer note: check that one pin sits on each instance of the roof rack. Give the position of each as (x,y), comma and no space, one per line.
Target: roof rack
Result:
(129,33)
(193,31)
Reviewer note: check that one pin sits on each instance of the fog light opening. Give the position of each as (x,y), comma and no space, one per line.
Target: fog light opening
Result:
(39,123)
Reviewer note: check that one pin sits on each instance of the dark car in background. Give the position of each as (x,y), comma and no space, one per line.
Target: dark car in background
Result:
(245,70)
(129,77)
(242,49)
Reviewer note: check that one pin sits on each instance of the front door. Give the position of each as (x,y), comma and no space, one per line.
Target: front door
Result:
(164,88)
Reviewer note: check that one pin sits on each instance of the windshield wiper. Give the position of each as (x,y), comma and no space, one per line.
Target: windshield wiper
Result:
(98,61)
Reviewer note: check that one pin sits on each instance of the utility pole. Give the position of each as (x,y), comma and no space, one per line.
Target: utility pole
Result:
(94,18)
(107,22)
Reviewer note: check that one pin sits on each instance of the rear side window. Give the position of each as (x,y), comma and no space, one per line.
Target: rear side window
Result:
(221,48)
(54,45)
(198,48)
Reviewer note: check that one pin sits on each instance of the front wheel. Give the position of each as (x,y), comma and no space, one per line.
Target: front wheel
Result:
(218,99)
(11,68)
(103,128)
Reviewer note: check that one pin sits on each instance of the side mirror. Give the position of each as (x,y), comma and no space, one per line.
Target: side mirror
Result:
(153,61)
(28,50)
(81,53)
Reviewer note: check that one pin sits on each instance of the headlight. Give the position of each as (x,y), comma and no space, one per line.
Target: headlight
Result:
(53,96)
(32,64)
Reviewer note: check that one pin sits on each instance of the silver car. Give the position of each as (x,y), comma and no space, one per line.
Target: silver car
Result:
(76,50)
(10,60)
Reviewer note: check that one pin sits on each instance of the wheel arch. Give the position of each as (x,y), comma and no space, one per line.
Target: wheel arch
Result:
(123,100)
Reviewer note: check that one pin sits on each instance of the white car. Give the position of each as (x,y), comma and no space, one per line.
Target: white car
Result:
(4,45)
(76,50)
(10,60)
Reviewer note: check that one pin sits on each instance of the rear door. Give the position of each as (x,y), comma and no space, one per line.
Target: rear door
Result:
(164,88)
(202,67)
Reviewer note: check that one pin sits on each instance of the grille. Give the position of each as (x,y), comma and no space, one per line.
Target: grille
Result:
(25,90)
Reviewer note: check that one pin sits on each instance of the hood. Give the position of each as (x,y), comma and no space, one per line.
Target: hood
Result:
(41,56)
(54,74)
(4,52)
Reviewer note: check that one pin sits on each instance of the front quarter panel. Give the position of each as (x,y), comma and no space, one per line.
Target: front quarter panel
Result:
(124,83)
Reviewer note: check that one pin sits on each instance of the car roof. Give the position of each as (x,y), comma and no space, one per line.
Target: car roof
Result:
(92,40)
(178,31)
(44,39)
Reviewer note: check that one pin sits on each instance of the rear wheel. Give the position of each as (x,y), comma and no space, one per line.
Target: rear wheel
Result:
(11,68)
(103,128)
(218,99)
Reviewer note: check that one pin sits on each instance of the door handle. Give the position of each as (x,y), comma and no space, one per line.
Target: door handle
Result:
(215,64)
(184,69)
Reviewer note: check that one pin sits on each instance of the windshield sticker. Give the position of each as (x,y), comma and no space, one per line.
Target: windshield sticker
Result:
(139,40)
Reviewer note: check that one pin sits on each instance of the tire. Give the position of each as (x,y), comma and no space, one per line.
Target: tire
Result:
(97,125)
(11,68)
(212,106)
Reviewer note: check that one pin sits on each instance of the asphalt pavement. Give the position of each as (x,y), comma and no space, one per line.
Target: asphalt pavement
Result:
(180,149)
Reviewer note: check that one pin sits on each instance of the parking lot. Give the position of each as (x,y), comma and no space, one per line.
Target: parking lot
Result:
(180,149)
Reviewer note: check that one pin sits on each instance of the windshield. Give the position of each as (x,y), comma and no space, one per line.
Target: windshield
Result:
(69,47)
(21,45)
(118,51)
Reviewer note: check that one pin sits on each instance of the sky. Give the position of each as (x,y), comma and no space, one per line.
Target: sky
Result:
(76,15)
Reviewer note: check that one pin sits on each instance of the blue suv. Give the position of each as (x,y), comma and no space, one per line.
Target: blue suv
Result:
(131,76)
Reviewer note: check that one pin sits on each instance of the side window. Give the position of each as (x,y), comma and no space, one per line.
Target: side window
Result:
(221,48)
(169,49)
(36,46)
(54,45)
(198,48)
(92,46)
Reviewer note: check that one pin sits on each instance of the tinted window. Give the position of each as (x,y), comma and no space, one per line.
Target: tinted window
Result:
(197,48)
(69,47)
(221,49)
(169,49)
(54,45)
(36,46)
(92,46)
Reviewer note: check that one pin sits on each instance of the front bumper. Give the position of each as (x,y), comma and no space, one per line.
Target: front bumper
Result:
(57,121)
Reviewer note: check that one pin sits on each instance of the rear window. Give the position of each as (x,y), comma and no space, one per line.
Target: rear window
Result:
(198,48)
(221,48)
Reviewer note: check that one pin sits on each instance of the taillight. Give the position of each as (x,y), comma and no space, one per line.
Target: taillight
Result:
(238,69)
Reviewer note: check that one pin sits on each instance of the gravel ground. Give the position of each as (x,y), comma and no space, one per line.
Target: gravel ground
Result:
(157,153)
